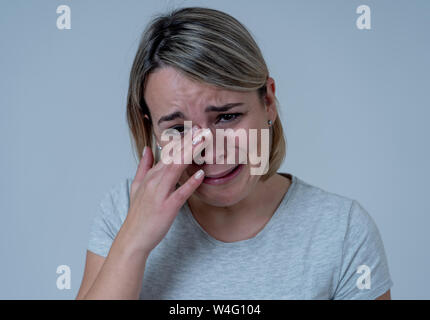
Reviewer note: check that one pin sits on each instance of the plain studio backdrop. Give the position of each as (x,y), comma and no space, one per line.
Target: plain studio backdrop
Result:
(354,104)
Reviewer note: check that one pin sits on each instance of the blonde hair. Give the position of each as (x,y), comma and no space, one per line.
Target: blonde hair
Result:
(208,46)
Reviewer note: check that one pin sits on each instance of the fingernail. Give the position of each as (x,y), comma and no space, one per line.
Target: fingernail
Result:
(144,150)
(197,139)
(202,134)
(199,174)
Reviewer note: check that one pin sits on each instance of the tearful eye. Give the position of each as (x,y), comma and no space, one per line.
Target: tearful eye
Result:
(177,130)
(227,117)
(223,118)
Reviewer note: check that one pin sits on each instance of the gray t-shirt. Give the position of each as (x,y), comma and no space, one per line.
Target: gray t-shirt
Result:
(317,245)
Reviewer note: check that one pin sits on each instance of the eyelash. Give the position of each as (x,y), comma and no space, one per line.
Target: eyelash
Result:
(236,116)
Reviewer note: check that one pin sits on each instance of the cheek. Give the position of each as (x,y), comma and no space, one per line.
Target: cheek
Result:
(258,138)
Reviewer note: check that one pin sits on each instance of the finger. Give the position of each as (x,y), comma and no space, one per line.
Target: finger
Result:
(175,170)
(145,164)
(166,186)
(176,146)
(202,144)
(181,194)
(169,173)
(188,151)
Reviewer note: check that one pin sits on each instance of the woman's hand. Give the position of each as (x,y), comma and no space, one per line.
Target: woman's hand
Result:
(154,202)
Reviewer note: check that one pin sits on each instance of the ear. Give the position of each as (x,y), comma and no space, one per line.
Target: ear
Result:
(270,100)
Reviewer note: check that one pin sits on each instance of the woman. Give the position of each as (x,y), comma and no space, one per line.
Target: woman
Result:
(213,230)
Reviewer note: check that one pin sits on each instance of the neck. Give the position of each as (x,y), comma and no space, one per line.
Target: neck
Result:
(246,216)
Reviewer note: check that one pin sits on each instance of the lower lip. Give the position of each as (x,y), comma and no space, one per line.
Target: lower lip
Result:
(224,179)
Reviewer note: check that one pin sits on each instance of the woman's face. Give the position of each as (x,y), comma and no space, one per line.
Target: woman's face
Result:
(169,92)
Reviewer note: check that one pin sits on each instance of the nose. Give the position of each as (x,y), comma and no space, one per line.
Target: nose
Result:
(216,154)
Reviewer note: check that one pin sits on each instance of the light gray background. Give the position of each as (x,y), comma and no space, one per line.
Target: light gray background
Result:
(355,106)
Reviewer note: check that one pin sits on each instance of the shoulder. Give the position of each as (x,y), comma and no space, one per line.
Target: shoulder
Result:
(343,231)
(330,213)
(109,217)
(320,203)
(115,201)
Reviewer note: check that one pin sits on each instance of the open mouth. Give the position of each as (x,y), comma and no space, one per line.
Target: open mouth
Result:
(223,177)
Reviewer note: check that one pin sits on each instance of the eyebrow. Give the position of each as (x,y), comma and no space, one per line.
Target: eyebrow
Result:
(179,114)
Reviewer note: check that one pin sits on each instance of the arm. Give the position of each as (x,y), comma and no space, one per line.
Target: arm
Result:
(385,296)
(363,246)
(119,276)
(93,265)
(154,204)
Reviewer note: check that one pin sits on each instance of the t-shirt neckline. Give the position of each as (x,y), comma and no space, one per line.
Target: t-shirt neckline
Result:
(243,243)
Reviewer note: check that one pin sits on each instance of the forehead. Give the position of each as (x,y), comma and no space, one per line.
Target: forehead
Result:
(168,90)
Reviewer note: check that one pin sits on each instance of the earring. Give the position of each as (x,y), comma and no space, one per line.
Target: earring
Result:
(159,147)
(269,122)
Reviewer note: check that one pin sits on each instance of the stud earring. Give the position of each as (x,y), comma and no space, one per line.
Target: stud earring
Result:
(269,122)
(159,147)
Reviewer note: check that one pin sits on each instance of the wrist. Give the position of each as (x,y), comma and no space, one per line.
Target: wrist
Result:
(128,244)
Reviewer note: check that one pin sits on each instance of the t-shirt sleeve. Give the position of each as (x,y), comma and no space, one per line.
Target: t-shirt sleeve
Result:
(364,272)
(108,218)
